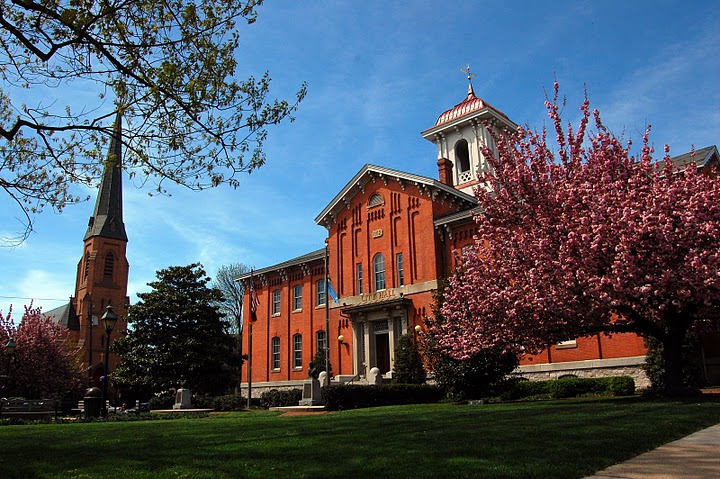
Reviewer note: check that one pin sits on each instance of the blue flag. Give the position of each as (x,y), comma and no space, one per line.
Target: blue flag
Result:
(332,292)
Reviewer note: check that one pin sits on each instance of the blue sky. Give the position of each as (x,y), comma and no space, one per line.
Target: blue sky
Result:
(379,73)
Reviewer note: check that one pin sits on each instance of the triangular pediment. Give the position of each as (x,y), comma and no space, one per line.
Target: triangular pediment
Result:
(370,174)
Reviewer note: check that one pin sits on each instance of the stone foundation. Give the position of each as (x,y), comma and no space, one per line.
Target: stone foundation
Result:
(259,388)
(597,368)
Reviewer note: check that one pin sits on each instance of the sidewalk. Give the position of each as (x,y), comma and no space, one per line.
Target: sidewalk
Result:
(696,456)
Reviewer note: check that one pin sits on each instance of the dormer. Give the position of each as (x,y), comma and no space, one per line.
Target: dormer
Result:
(460,134)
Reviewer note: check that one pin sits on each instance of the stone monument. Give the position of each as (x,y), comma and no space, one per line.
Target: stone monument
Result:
(182,399)
(311,388)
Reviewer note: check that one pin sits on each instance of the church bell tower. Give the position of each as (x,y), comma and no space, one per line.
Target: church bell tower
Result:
(102,272)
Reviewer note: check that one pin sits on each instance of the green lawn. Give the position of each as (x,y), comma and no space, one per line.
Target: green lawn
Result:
(559,439)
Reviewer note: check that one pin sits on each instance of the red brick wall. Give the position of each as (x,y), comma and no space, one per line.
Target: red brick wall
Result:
(103,291)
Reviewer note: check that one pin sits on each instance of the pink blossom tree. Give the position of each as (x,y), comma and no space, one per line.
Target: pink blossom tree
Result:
(586,239)
(44,365)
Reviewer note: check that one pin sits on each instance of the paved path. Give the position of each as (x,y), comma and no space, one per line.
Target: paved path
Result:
(696,456)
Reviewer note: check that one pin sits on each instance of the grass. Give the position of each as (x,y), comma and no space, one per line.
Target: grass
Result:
(548,439)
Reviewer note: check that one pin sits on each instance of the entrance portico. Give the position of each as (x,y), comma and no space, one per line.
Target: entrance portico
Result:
(378,321)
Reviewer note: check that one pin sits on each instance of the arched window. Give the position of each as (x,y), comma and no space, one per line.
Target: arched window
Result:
(87,264)
(375,200)
(297,351)
(379,271)
(462,155)
(109,265)
(276,353)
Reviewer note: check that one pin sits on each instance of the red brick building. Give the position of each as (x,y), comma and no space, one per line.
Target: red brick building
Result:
(392,236)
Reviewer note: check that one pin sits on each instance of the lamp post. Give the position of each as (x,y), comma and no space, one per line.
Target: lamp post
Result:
(89,301)
(109,319)
(341,341)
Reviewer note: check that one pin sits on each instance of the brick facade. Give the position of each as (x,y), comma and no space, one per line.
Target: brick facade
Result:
(392,237)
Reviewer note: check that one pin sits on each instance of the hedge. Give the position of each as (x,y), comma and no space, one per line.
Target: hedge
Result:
(354,396)
(280,398)
(570,387)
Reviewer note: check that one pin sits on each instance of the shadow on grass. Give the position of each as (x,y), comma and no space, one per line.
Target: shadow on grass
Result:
(559,439)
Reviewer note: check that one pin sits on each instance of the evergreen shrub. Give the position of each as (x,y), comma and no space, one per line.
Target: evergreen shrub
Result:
(570,387)
(280,398)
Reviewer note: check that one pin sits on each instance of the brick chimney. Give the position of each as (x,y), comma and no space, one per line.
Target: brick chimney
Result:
(445,168)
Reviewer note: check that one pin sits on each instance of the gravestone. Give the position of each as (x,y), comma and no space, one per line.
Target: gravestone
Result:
(182,399)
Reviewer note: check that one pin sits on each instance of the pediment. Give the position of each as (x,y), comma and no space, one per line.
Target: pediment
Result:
(370,175)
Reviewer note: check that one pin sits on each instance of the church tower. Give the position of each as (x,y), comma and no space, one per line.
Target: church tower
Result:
(460,133)
(102,272)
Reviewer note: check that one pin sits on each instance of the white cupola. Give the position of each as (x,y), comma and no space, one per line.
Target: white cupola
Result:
(460,134)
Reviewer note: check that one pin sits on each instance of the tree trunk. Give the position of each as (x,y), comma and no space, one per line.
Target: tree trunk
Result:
(673,359)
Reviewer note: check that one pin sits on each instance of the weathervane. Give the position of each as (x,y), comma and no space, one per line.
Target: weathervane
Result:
(471,93)
(470,74)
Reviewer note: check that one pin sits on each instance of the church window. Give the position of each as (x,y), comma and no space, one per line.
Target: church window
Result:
(320,340)
(462,155)
(400,270)
(297,297)
(375,200)
(276,353)
(297,351)
(379,271)
(320,292)
(87,264)
(276,302)
(109,265)
(359,274)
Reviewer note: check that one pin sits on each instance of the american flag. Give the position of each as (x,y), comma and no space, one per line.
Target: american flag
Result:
(254,302)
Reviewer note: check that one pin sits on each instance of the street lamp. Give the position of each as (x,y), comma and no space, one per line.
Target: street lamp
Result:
(109,319)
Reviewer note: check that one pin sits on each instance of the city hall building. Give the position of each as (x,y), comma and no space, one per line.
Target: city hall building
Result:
(392,237)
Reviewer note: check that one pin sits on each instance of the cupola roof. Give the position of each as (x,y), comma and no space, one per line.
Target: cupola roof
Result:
(469,105)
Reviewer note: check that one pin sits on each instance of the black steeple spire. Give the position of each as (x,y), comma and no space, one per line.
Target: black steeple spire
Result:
(107,221)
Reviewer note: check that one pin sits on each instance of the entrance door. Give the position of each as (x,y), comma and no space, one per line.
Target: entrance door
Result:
(382,352)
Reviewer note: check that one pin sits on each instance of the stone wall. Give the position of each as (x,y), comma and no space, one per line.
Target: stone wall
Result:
(600,368)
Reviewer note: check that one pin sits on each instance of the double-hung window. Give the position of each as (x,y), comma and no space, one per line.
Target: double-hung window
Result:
(297,297)
(320,292)
(400,271)
(276,302)
(276,353)
(379,271)
(297,351)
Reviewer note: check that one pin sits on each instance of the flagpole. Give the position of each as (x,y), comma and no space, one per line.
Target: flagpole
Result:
(250,339)
(249,369)
(327,315)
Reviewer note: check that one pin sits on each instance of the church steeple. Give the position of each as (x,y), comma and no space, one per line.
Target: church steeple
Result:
(107,220)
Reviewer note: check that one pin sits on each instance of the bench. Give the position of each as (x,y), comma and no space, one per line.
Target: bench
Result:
(29,409)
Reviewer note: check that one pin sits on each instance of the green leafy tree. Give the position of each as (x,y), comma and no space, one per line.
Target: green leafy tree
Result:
(169,67)
(408,367)
(177,337)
